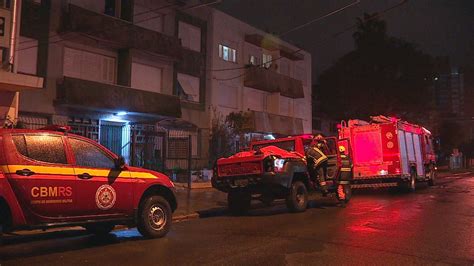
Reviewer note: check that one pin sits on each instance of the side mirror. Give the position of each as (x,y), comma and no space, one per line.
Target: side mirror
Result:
(119,163)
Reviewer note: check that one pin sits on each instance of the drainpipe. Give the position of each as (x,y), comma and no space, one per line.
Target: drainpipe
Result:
(14,38)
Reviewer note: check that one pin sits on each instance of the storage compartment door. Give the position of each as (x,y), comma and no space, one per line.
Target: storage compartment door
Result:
(403,152)
(418,156)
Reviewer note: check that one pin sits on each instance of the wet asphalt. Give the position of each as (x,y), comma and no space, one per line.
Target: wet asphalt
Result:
(433,226)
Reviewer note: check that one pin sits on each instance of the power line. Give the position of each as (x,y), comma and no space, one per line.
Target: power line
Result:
(119,26)
(378,14)
(288,31)
(319,18)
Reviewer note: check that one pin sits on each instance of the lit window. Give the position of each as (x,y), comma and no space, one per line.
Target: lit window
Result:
(227,53)
(253,60)
(267,60)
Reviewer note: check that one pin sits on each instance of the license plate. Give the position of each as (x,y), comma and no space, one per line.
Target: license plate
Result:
(241,182)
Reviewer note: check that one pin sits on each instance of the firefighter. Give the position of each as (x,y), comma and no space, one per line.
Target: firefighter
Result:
(345,175)
(317,162)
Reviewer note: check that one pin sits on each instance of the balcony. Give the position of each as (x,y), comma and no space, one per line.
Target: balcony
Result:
(93,95)
(192,63)
(120,32)
(270,123)
(272,43)
(271,81)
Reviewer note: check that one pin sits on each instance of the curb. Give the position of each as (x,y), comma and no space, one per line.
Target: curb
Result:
(182,218)
(194,185)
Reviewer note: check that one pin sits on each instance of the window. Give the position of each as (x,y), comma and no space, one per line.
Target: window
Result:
(227,53)
(253,60)
(89,66)
(146,77)
(27,55)
(89,155)
(43,148)
(190,36)
(110,8)
(188,87)
(267,60)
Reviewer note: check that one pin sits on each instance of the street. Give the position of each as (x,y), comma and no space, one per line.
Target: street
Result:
(435,225)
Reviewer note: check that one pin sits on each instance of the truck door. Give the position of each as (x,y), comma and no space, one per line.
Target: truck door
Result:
(41,177)
(101,189)
(332,155)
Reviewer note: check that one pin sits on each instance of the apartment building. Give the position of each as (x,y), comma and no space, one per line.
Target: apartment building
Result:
(112,69)
(144,77)
(261,75)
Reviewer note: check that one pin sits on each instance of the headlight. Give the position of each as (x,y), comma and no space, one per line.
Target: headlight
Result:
(278,164)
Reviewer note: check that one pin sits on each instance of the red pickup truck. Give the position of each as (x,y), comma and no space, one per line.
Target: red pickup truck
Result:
(50,178)
(276,169)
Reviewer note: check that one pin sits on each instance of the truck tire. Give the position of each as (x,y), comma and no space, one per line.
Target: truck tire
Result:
(432,180)
(297,199)
(154,217)
(347,192)
(410,185)
(99,229)
(239,202)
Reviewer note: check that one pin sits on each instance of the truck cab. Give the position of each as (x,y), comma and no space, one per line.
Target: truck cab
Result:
(50,178)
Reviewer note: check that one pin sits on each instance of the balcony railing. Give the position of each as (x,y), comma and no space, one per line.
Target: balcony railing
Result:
(122,33)
(93,95)
(270,123)
(268,80)
(192,63)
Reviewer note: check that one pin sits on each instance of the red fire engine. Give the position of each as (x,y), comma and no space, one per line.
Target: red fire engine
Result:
(389,152)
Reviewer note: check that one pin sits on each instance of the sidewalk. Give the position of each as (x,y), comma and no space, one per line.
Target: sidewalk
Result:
(193,202)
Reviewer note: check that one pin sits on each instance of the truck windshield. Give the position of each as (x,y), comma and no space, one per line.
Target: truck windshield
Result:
(288,145)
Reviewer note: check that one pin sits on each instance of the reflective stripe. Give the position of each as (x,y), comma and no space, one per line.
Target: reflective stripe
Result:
(322,183)
(343,182)
(346,169)
(57,170)
(323,157)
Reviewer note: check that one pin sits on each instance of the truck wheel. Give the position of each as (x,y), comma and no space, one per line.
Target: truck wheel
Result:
(410,185)
(154,217)
(99,229)
(297,199)
(239,202)
(347,193)
(432,180)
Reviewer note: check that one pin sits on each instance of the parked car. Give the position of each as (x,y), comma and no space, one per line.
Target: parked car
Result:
(50,178)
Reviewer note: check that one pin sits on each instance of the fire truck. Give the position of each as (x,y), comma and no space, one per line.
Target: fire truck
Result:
(388,151)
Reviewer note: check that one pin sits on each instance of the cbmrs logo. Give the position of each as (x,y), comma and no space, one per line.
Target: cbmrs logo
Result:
(45,192)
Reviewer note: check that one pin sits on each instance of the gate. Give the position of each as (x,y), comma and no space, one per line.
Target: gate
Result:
(148,147)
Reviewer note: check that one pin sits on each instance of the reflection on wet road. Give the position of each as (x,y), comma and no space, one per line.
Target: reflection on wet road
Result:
(435,225)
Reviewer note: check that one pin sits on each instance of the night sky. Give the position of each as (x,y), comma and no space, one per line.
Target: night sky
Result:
(438,27)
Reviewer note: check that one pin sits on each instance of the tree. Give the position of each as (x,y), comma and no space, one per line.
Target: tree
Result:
(383,75)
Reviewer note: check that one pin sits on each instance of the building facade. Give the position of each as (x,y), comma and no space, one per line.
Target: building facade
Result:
(138,76)
(11,82)
(261,75)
